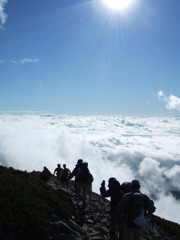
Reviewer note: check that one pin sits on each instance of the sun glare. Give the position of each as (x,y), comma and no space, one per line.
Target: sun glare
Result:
(118,4)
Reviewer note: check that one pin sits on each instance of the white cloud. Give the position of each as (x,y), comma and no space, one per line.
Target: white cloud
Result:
(29,60)
(167,205)
(161,96)
(3,15)
(146,148)
(172,102)
(151,171)
(25,60)
(174,175)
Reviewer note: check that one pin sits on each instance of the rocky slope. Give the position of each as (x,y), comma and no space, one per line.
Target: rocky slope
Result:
(32,209)
(93,221)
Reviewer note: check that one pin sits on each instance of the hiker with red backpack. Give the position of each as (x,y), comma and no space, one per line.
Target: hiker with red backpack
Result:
(133,207)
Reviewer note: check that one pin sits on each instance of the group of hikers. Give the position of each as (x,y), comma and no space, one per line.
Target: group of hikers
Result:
(83,178)
(129,207)
(61,174)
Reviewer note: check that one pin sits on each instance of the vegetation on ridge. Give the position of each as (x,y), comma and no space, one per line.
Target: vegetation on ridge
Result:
(27,207)
(168,226)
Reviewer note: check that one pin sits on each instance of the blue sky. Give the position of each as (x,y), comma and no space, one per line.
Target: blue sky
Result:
(81,57)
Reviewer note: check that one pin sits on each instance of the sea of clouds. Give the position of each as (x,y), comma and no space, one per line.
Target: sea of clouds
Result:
(144,148)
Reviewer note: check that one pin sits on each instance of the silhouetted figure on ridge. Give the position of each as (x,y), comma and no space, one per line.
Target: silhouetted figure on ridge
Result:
(89,185)
(45,174)
(65,174)
(114,192)
(133,208)
(58,171)
(74,173)
(83,180)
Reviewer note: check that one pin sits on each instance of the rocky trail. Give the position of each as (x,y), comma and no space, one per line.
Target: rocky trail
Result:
(93,220)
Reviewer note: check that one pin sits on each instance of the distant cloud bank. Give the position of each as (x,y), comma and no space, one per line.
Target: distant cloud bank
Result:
(172,102)
(3,15)
(145,148)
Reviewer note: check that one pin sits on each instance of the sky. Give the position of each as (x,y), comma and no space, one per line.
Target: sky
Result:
(81,57)
(124,147)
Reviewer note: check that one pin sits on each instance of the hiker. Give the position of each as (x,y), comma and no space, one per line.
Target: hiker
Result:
(45,174)
(74,174)
(82,181)
(89,185)
(125,188)
(114,192)
(134,207)
(58,171)
(65,174)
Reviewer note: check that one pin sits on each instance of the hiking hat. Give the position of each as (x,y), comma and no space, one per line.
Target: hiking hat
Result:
(111,180)
(79,161)
(135,183)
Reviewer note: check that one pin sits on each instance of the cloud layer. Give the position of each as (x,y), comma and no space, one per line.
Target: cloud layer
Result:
(146,148)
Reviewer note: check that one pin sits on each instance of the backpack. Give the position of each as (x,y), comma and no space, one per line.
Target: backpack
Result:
(90,178)
(83,173)
(136,217)
(125,187)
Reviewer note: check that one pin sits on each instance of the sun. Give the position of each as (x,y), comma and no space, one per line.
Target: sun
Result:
(118,4)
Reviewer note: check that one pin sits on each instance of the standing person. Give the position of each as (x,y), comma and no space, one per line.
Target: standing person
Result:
(82,181)
(89,185)
(45,174)
(58,171)
(114,192)
(134,206)
(65,174)
(74,173)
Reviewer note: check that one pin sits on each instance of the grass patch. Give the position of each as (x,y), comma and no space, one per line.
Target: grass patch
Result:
(167,226)
(27,207)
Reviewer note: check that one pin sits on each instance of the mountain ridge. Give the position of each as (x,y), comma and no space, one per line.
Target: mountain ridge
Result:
(31,208)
